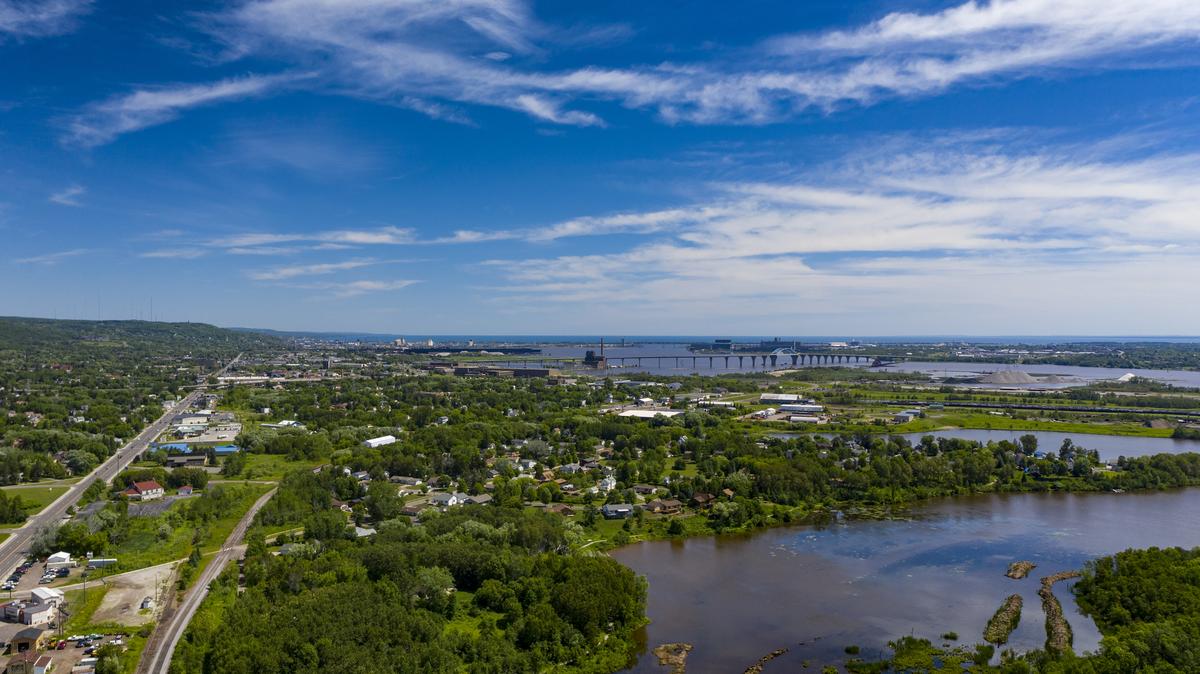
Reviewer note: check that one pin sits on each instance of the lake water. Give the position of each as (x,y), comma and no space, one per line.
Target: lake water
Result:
(1109,446)
(737,598)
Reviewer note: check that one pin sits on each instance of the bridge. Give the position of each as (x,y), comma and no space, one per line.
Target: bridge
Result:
(778,358)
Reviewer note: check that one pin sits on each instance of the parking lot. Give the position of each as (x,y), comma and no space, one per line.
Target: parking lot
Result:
(72,651)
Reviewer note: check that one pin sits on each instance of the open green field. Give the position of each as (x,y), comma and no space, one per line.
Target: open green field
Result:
(272,466)
(946,420)
(155,540)
(81,605)
(35,497)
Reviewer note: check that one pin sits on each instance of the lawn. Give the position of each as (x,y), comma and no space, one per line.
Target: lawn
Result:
(81,604)
(144,546)
(35,497)
(992,421)
(272,466)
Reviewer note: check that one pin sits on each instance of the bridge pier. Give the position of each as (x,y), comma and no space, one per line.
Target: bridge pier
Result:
(726,362)
(794,357)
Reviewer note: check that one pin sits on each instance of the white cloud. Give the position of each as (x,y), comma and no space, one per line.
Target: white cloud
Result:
(356,288)
(889,233)
(427,49)
(68,196)
(550,111)
(301,270)
(37,18)
(432,56)
(102,122)
(173,254)
(326,240)
(53,258)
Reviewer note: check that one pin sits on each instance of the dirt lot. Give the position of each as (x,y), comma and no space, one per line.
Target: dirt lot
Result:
(122,603)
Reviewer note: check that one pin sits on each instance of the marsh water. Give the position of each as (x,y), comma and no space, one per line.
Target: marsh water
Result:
(817,589)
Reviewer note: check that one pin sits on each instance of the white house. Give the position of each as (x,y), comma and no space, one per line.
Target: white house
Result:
(447,499)
(380,441)
(607,484)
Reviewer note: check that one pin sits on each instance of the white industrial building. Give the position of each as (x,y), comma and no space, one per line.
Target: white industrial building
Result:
(801,407)
(380,441)
(780,398)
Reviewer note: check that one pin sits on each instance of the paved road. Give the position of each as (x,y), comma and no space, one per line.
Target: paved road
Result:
(156,659)
(15,548)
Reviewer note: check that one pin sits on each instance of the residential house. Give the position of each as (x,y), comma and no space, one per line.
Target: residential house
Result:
(560,509)
(644,489)
(185,490)
(607,484)
(145,491)
(406,480)
(664,506)
(481,499)
(616,511)
(447,499)
(702,500)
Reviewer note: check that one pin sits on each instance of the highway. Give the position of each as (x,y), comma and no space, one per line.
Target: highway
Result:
(15,548)
(156,659)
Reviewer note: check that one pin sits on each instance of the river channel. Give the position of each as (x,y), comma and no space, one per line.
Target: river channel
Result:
(817,589)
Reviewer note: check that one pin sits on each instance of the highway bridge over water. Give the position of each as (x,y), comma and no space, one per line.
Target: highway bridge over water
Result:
(774,359)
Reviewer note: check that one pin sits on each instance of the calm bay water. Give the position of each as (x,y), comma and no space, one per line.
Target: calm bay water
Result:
(737,598)
(1110,446)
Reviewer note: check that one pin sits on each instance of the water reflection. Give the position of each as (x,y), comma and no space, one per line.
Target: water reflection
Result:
(863,583)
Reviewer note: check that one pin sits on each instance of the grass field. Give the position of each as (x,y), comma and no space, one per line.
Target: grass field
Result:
(81,604)
(144,546)
(272,466)
(996,422)
(35,497)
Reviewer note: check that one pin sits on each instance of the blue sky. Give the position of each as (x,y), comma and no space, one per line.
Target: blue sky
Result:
(499,166)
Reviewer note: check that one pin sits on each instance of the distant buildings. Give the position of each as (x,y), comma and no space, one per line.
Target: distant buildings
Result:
(778,398)
(380,441)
